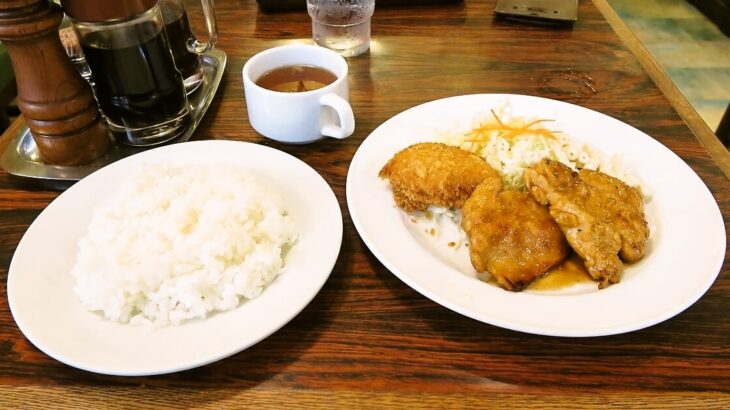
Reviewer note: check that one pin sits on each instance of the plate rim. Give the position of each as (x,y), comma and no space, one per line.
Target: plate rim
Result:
(526,328)
(327,269)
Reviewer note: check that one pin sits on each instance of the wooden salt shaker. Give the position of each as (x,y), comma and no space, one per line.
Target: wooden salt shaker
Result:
(57,103)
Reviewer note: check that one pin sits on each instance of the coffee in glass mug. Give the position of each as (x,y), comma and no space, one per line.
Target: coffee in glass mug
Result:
(139,89)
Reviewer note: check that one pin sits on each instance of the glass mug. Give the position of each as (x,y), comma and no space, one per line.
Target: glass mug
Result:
(185,47)
(138,87)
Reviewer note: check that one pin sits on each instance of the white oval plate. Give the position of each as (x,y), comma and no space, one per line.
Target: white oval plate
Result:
(686,247)
(50,315)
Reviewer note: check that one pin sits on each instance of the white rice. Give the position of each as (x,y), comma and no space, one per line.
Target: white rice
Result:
(178,242)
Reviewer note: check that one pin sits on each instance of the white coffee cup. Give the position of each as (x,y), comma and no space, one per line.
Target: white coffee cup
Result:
(298,117)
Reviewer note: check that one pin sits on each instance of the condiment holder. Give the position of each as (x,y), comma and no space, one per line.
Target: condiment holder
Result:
(21,157)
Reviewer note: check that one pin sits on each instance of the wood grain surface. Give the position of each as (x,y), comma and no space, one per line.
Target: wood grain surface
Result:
(367,339)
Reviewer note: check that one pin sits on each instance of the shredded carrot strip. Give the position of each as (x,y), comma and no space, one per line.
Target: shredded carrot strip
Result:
(481,133)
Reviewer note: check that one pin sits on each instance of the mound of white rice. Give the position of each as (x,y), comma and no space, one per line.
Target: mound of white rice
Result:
(177,242)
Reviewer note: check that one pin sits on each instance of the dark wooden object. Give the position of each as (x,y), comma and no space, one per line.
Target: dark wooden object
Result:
(367,339)
(718,11)
(58,105)
(8,90)
(7,94)
(723,128)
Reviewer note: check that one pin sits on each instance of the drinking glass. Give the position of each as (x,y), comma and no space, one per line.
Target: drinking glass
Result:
(137,85)
(342,25)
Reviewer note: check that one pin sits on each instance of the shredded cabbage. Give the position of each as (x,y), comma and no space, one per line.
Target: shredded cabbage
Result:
(510,144)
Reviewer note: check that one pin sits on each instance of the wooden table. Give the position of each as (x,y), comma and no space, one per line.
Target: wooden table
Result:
(367,339)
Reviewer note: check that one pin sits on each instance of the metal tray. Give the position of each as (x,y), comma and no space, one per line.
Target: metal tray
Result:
(21,157)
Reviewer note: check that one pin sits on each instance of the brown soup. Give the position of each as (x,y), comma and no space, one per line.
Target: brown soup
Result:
(296,78)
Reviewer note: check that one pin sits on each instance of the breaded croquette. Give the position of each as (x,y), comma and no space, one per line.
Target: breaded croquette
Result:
(435,174)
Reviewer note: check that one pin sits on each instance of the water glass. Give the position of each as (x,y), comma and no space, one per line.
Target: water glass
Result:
(342,25)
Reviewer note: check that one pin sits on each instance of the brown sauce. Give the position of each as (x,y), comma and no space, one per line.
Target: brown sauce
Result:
(296,78)
(570,272)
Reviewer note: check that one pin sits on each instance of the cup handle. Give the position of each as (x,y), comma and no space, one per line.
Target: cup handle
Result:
(199,47)
(344,112)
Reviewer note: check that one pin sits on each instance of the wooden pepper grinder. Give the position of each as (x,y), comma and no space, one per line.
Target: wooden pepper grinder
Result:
(57,103)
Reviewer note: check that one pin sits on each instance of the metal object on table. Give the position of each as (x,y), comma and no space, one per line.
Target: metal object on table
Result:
(538,11)
(21,157)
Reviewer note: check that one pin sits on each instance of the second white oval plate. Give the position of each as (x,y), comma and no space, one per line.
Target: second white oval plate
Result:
(686,247)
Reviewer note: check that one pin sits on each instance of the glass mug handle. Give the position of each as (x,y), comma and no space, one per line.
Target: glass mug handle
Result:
(199,47)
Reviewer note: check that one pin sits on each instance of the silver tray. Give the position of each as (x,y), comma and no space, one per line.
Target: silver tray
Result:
(21,157)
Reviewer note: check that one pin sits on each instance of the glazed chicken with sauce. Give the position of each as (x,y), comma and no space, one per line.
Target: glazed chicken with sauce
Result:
(518,237)
(601,217)
(511,236)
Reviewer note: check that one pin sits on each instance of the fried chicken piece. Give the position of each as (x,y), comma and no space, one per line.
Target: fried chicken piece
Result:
(600,216)
(511,236)
(435,174)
